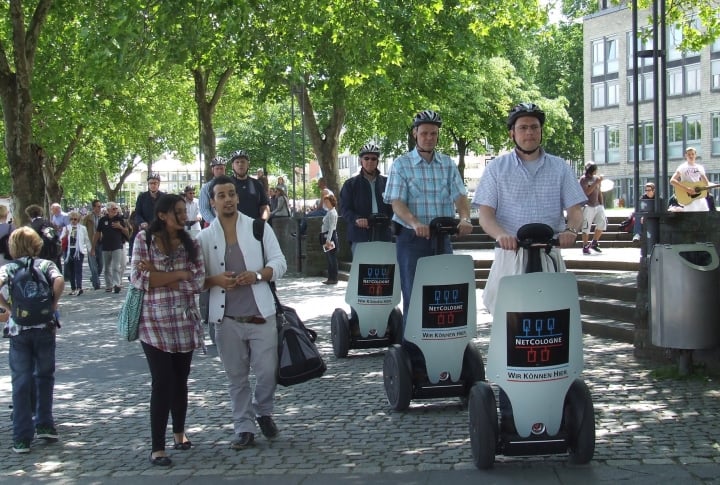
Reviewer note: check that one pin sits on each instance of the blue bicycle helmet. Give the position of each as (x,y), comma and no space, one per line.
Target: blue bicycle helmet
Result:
(525,109)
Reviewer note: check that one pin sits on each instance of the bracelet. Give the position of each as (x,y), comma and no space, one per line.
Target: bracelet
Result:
(466,219)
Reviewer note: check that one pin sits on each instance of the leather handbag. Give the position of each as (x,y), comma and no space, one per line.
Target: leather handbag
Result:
(129,316)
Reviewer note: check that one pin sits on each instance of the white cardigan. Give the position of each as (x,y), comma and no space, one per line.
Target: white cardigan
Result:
(212,242)
(82,240)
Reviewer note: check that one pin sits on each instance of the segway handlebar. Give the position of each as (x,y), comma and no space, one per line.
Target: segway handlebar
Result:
(443,225)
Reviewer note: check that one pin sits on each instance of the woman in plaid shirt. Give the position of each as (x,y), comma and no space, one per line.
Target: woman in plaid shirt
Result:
(168,264)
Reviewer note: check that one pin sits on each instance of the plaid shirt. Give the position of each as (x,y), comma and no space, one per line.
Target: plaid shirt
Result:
(428,189)
(170,320)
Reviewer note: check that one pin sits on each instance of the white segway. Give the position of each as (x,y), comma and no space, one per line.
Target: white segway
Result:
(373,293)
(437,358)
(535,358)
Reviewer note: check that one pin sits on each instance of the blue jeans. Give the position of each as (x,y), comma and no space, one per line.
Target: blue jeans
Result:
(32,362)
(409,249)
(96,266)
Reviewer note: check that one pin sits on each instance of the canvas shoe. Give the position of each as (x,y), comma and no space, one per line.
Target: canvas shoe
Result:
(636,237)
(21,447)
(586,249)
(47,433)
(595,247)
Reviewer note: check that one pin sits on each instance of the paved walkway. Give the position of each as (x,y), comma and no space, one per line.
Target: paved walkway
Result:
(340,429)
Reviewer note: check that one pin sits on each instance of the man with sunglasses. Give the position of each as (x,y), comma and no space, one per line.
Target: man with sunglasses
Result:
(649,194)
(361,196)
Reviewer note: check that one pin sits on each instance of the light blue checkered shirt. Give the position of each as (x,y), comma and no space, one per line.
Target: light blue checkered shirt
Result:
(520,198)
(428,189)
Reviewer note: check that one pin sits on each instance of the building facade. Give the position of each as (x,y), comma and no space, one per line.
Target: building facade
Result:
(693,100)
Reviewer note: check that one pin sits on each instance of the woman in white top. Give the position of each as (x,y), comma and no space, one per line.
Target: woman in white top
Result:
(78,246)
(6,227)
(283,208)
(329,238)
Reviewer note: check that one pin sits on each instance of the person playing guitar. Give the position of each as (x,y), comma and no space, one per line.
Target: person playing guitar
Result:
(686,178)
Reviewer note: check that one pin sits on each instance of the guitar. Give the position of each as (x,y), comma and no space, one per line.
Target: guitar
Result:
(701,191)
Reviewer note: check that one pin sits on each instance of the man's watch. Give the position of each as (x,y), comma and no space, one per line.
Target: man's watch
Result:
(570,229)
(466,219)
(258,277)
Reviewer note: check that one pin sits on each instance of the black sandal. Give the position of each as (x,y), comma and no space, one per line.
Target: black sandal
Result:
(184,446)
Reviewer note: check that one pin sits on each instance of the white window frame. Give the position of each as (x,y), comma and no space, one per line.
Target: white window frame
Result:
(599,144)
(715,127)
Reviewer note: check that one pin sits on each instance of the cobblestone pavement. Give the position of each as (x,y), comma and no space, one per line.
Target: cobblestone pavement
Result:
(340,428)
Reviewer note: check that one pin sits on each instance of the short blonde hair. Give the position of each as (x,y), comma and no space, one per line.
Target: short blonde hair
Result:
(25,241)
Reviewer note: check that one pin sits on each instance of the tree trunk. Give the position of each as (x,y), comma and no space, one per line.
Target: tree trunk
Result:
(206,110)
(25,164)
(325,143)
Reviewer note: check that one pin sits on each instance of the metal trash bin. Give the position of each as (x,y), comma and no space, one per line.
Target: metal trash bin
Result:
(684,281)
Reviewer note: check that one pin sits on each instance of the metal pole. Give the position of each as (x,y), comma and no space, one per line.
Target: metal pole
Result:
(302,118)
(292,143)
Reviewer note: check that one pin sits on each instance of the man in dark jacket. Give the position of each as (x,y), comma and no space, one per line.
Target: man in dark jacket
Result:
(361,196)
(252,197)
(145,204)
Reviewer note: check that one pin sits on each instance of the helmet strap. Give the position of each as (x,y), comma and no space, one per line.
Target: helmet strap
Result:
(527,152)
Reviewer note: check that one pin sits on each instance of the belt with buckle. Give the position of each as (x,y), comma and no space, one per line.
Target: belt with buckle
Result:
(246,319)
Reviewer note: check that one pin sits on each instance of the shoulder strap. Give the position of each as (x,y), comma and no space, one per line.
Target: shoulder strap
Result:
(259,232)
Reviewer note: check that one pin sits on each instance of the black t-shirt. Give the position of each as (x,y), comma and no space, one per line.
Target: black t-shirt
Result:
(251,196)
(112,238)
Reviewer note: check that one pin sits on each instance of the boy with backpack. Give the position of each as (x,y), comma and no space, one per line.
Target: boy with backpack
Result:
(52,246)
(30,291)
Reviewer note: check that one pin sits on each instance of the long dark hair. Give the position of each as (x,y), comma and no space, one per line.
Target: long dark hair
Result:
(166,205)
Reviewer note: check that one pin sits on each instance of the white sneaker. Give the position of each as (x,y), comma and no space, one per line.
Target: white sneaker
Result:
(636,237)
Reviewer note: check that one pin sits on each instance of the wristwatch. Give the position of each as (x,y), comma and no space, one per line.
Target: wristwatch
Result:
(258,277)
(570,229)
(466,219)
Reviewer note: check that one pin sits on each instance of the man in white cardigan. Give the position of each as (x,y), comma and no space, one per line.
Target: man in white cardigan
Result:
(243,309)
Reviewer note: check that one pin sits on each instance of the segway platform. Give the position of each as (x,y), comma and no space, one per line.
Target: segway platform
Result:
(441,324)
(373,293)
(536,359)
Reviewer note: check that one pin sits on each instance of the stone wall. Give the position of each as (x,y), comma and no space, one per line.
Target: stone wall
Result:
(676,228)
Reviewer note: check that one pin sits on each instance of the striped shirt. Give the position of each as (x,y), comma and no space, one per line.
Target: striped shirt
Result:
(428,189)
(520,198)
(170,320)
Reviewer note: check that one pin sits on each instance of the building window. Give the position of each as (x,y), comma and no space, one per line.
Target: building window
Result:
(715,74)
(598,144)
(642,44)
(613,93)
(675,137)
(604,56)
(693,78)
(674,82)
(647,148)
(715,118)
(613,147)
(683,132)
(606,144)
(598,95)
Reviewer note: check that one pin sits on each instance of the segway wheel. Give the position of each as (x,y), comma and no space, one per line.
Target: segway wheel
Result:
(340,333)
(579,417)
(473,370)
(395,328)
(398,378)
(483,423)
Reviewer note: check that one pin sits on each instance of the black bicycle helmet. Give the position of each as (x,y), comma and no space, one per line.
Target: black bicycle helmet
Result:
(525,109)
(239,154)
(218,161)
(369,148)
(427,116)
(153,176)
